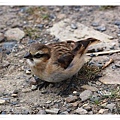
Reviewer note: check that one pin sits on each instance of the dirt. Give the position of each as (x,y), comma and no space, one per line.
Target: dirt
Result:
(15,87)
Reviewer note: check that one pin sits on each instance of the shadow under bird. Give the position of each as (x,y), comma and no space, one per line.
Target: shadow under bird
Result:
(59,61)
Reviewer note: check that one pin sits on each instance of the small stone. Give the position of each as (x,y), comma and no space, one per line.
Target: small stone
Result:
(41,26)
(101,28)
(73,26)
(2,101)
(14,34)
(61,16)
(81,111)
(110,106)
(118,34)
(28,72)
(103,111)
(52,111)
(75,104)
(117,22)
(64,113)
(76,93)
(88,87)
(14,95)
(1,37)
(52,16)
(33,87)
(85,95)
(48,102)
(31,41)
(94,24)
(26,90)
(8,46)
(98,83)
(41,112)
(71,99)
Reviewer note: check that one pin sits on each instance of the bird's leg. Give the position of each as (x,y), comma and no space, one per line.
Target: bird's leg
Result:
(65,91)
(39,83)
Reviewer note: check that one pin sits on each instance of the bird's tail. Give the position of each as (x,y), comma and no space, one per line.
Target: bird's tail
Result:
(81,46)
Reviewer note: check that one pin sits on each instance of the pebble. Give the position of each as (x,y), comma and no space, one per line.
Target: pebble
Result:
(2,101)
(73,26)
(28,72)
(14,34)
(52,16)
(33,87)
(85,95)
(52,111)
(64,113)
(75,104)
(31,41)
(110,106)
(61,16)
(8,46)
(1,37)
(26,90)
(88,87)
(48,102)
(41,112)
(117,22)
(41,26)
(101,28)
(118,34)
(103,111)
(81,111)
(14,95)
(71,99)
(95,24)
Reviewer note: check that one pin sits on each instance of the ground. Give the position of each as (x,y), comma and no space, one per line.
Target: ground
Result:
(94,90)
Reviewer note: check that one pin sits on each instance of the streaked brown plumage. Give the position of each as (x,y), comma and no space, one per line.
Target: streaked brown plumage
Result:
(56,62)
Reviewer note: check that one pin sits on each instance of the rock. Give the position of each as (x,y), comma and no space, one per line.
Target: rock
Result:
(52,111)
(41,112)
(61,16)
(52,16)
(81,111)
(82,31)
(1,37)
(94,24)
(41,26)
(48,102)
(71,99)
(118,34)
(75,104)
(28,72)
(14,95)
(85,95)
(76,93)
(9,46)
(117,22)
(64,113)
(103,111)
(26,90)
(110,106)
(73,26)
(101,28)
(88,87)
(2,101)
(14,34)
(33,87)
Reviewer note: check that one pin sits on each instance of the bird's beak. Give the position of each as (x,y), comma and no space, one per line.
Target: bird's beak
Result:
(28,55)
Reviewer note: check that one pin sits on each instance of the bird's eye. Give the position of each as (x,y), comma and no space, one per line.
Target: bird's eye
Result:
(38,55)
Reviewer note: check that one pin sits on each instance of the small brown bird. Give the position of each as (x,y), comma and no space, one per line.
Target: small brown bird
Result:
(57,62)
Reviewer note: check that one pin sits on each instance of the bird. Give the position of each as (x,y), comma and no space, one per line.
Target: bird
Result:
(59,61)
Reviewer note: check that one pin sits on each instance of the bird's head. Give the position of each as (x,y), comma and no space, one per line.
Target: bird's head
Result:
(37,53)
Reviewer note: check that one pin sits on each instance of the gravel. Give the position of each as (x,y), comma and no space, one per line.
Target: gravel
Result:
(89,96)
